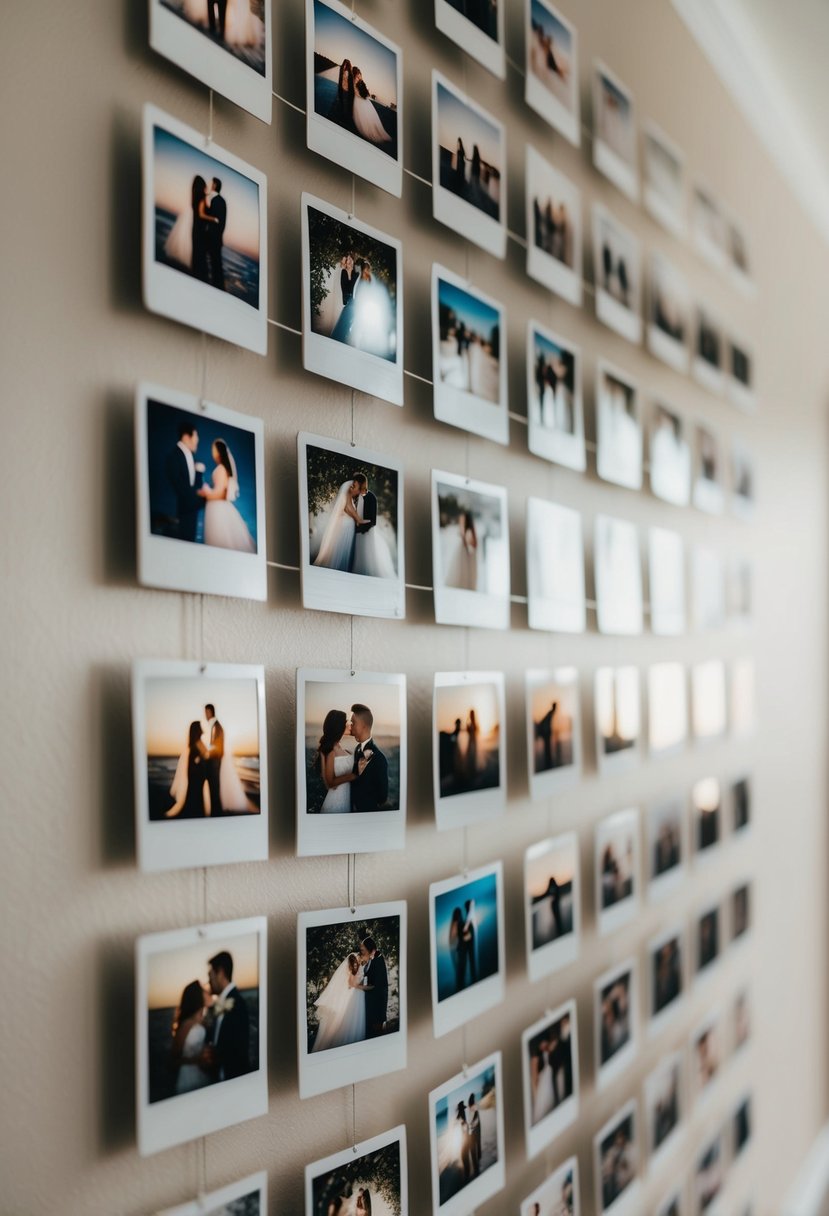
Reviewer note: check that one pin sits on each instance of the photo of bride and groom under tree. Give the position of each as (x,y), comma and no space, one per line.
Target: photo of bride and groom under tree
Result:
(368,1185)
(352,984)
(352,514)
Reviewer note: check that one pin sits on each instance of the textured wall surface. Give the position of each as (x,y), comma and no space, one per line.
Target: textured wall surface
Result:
(75,340)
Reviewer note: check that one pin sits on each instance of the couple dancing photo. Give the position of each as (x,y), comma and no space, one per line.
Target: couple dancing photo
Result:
(470,342)
(355,79)
(237,26)
(352,758)
(351,984)
(369,1185)
(550,1068)
(466,1133)
(352,512)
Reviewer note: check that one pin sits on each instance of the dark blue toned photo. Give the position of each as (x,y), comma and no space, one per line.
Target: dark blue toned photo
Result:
(466,935)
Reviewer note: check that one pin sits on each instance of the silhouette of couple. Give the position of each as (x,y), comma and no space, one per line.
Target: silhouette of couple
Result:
(353,107)
(196,239)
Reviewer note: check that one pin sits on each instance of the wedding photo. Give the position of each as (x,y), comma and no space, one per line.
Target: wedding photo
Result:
(550,1071)
(664,190)
(664,1106)
(666,577)
(614,131)
(706,1051)
(709,1173)
(558,1195)
(740,911)
(741,1019)
(617,870)
(200,763)
(466,1117)
(555,568)
(618,717)
(466,920)
(707,226)
(224,43)
(616,1156)
(469,753)
(470,552)
(201,1007)
(618,576)
(354,86)
(741,1122)
(708,700)
(470,368)
(468,166)
(669,306)
(553,228)
(248,1197)
(665,965)
(552,69)
(351,763)
(708,938)
(670,457)
(618,427)
(616,1017)
(553,729)
(708,492)
(739,368)
(706,802)
(554,400)
(741,804)
(367,1179)
(667,708)
(204,238)
(617,270)
(552,902)
(478,27)
(707,365)
(351,995)
(666,846)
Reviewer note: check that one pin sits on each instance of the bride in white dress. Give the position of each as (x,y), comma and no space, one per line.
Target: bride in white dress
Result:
(371,553)
(543,1096)
(337,542)
(341,1008)
(189,1040)
(462,570)
(242,27)
(224,527)
(366,119)
(232,792)
(336,764)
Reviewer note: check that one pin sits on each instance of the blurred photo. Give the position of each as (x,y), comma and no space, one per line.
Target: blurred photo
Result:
(248,1197)
(617,867)
(550,1071)
(555,568)
(666,570)
(709,1175)
(552,79)
(706,800)
(470,552)
(614,139)
(708,699)
(667,707)
(664,190)
(743,698)
(362,1180)
(551,893)
(708,350)
(670,457)
(617,267)
(558,1195)
(742,480)
(478,27)
(554,402)
(708,938)
(669,319)
(708,479)
(554,228)
(468,161)
(467,1137)
(663,1103)
(618,576)
(617,1159)
(741,804)
(666,837)
(554,726)
(618,428)
(615,1012)
(665,956)
(707,226)
(740,911)
(618,716)
(469,366)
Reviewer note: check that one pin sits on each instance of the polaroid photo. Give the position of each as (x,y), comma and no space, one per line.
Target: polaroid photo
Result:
(470,552)
(710,1176)
(618,427)
(616,1019)
(737,253)
(466,1138)
(614,131)
(741,901)
(353,112)
(469,747)
(708,493)
(225,46)
(664,187)
(469,357)
(664,1108)
(708,700)
(351,995)
(707,589)
(666,981)
(707,362)
(477,28)
(350,762)
(554,240)
(552,904)
(365,1177)
(617,870)
(706,803)
(200,522)
(466,925)
(468,166)
(708,939)
(550,1069)
(552,68)
(618,576)
(350,529)
(555,568)
(743,698)
(707,1056)
(707,227)
(247,1197)
(617,707)
(204,242)
(670,457)
(558,1195)
(201,1018)
(555,412)
(741,804)
(669,313)
(741,1020)
(667,708)
(352,302)
(738,593)
(553,730)
(200,747)
(674,1203)
(741,1127)
(666,577)
(742,480)
(739,374)
(667,847)
(618,276)
(616,1164)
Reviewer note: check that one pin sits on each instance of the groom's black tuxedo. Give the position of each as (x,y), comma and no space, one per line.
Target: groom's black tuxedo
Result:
(215,240)
(369,512)
(371,791)
(376,978)
(232,1043)
(188,502)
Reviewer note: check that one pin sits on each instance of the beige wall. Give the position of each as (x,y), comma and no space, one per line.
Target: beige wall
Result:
(75,340)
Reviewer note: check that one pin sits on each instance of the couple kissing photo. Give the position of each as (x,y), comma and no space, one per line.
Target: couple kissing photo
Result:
(367,1179)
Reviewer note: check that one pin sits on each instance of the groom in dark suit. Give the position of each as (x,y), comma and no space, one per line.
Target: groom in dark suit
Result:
(217,210)
(216,16)
(375,986)
(185,478)
(229,1050)
(216,751)
(361,490)
(370,789)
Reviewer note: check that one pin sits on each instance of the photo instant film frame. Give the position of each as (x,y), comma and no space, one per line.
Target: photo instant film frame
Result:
(339,590)
(354,832)
(713,1021)
(667,1065)
(618,576)
(608,465)
(336,143)
(625,321)
(670,471)
(629,1202)
(709,700)
(349,1156)
(673,351)
(185,843)
(181,297)
(188,1116)
(337,361)
(555,552)
(608,920)
(667,680)
(541,1134)
(183,565)
(658,1019)
(555,445)
(551,781)
(666,578)
(661,885)
(455,212)
(710,248)
(217,1201)
(475,806)
(561,117)
(489,52)
(559,953)
(623,173)
(353,1062)
(459,605)
(541,177)
(661,208)
(452,405)
(469,1003)
(621,1059)
(623,757)
(705,372)
(703,971)
(742,395)
(550,1190)
(493,1179)
(195,52)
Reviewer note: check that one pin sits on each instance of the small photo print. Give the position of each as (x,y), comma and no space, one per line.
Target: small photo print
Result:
(202,1032)
(618,576)
(354,87)
(741,804)
(664,192)
(707,589)
(351,529)
(663,1105)
(478,27)
(225,45)
(618,717)
(558,1195)
(742,480)
(468,167)
(618,427)
(555,412)
(706,800)
(550,1067)
(708,938)
(466,917)
(204,234)
(555,568)
(673,1204)
(708,494)
(351,762)
(740,911)
(364,1179)
(665,961)
(469,363)
(669,313)
(470,552)
(670,457)
(666,845)
(552,69)
(352,302)
(552,896)
(466,1118)
(706,1055)
(616,1020)
(614,135)
(739,596)
(743,694)
(553,729)
(708,700)
(351,995)
(707,226)
(741,1122)
(667,708)
(666,568)
(200,748)
(737,253)
(707,366)
(553,229)
(469,767)
(617,870)
(616,1156)
(618,274)
(739,370)
(709,1173)
(741,1019)
(248,1197)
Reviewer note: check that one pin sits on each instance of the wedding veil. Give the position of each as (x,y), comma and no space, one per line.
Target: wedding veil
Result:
(335,547)
(233,481)
(336,993)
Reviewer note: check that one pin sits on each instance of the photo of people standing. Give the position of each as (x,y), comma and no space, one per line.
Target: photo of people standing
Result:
(551,52)
(550,1068)
(236,26)
(466,1132)
(618,269)
(473,548)
(352,514)
(618,1160)
(617,860)
(352,987)
(352,747)
(368,1184)
(468,727)
(466,935)
(469,153)
(553,397)
(553,707)
(665,829)
(550,878)
(617,709)
(662,1102)
(666,974)
(470,342)
(554,231)
(615,1017)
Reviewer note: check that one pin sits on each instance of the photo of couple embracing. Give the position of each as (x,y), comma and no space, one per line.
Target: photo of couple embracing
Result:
(352,515)
(352,985)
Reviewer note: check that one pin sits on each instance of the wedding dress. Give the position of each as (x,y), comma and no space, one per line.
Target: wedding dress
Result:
(224,527)
(367,121)
(338,800)
(231,790)
(463,567)
(179,243)
(192,1076)
(543,1099)
(371,553)
(242,28)
(196,11)
(373,328)
(341,1011)
(338,538)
